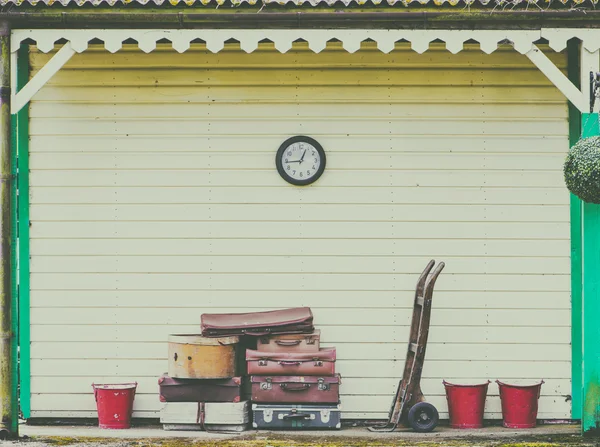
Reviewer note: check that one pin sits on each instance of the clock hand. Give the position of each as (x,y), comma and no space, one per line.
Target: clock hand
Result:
(295,161)
(303,154)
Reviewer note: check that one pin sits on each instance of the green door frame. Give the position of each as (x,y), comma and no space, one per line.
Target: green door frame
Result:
(573,72)
(20,210)
(591,300)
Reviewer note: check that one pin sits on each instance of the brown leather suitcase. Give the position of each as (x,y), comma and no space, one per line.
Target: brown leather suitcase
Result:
(205,390)
(285,321)
(320,363)
(290,342)
(296,389)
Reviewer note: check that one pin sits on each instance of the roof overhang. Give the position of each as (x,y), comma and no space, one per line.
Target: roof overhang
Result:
(523,41)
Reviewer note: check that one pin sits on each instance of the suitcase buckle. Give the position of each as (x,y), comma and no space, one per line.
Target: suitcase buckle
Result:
(325,416)
(263,362)
(310,340)
(268,415)
(322,386)
(318,363)
(266,385)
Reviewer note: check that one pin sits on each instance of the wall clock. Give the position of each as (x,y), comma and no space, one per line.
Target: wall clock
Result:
(300,160)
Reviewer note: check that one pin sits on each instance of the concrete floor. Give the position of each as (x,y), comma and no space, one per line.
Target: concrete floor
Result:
(548,435)
(156,432)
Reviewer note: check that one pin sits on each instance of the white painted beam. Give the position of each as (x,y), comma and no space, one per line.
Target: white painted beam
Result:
(13,76)
(34,85)
(558,78)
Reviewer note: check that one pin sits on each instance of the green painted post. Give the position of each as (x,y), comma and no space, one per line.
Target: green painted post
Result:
(574,69)
(21,120)
(13,277)
(591,301)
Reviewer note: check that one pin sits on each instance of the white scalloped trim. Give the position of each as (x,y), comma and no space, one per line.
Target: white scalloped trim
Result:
(317,39)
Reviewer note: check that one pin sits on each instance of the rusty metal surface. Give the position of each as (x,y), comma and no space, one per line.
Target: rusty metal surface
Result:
(7,362)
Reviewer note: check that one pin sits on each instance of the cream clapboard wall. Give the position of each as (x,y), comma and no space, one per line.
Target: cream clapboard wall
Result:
(155,198)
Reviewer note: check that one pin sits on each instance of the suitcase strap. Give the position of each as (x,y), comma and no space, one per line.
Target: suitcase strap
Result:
(201,417)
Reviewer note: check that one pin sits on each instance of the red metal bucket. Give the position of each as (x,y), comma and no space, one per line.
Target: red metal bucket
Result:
(466,404)
(519,404)
(115,404)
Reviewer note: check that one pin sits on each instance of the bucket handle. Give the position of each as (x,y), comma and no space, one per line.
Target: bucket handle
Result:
(453,384)
(539,385)
(94,385)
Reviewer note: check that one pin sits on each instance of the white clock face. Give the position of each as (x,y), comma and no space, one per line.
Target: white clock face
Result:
(300,161)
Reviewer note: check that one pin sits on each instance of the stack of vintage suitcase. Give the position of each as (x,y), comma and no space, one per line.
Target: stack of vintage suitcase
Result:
(294,384)
(203,389)
(292,380)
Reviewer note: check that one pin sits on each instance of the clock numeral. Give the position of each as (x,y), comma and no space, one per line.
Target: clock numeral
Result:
(294,172)
(314,167)
(316,160)
(300,174)
(286,161)
(289,167)
(313,153)
(289,153)
(307,172)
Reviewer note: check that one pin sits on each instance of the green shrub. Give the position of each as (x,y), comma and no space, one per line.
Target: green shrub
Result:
(582,169)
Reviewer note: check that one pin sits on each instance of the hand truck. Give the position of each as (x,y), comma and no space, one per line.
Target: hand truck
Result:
(409,406)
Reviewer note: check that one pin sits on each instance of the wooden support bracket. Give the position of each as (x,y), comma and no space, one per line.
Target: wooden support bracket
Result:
(21,98)
(558,78)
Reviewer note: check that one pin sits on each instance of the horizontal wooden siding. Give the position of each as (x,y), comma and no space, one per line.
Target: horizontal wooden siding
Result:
(154,198)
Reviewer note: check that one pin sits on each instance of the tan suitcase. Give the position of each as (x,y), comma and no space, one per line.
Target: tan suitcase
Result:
(197,357)
(290,342)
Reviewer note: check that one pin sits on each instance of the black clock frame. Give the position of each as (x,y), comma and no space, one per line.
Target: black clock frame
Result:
(300,139)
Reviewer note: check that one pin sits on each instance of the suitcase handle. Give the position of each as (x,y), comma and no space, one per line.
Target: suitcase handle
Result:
(288,342)
(297,416)
(256,332)
(287,387)
(288,363)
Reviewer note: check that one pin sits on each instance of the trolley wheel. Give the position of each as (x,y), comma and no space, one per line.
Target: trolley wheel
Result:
(423,417)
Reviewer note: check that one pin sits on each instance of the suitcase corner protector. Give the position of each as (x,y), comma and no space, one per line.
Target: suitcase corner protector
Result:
(254,425)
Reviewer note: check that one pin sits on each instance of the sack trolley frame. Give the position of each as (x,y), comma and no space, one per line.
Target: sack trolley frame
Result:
(409,406)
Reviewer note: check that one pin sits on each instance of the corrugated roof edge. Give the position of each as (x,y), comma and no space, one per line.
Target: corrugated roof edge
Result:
(412,3)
